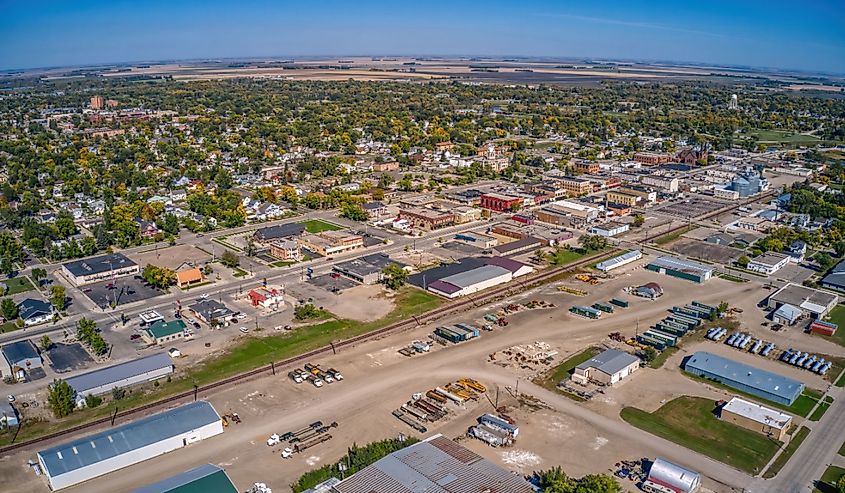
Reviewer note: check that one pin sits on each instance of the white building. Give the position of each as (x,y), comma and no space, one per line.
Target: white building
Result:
(101,453)
(471,281)
(662,182)
(768,263)
(607,368)
(610,229)
(625,258)
(103,380)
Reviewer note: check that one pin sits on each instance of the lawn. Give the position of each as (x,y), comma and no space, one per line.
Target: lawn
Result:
(238,272)
(662,356)
(819,412)
(801,407)
(670,237)
(563,370)
(564,256)
(827,483)
(317,226)
(841,381)
(18,285)
(783,458)
(690,422)
(246,355)
(842,450)
(837,316)
(282,263)
(8,327)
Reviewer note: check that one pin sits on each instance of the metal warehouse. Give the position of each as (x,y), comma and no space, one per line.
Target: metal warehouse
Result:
(436,465)
(666,477)
(755,381)
(683,269)
(625,258)
(206,478)
(89,457)
(471,281)
(103,380)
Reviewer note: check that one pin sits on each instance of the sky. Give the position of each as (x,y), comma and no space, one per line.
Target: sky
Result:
(807,35)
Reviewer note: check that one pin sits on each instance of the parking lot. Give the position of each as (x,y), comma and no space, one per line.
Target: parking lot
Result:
(707,251)
(694,206)
(121,291)
(68,357)
(333,284)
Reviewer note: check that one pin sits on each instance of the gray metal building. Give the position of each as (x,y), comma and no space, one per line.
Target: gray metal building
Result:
(103,380)
(664,476)
(101,453)
(436,465)
(755,381)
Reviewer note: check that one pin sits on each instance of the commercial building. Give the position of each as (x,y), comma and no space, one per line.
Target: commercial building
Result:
(161,332)
(386,166)
(366,269)
(610,229)
(527,244)
(575,187)
(668,184)
(836,278)
(768,263)
(479,240)
(88,271)
(755,417)
(500,202)
(470,281)
(650,290)
(103,380)
(95,455)
(624,198)
(746,378)
(211,311)
(683,269)
(567,213)
(35,312)
(666,477)
(427,219)
(374,209)
(285,250)
(812,302)
(328,243)
(189,277)
(464,214)
(22,357)
(787,314)
(606,368)
(517,269)
(626,258)
(264,236)
(206,478)
(434,465)
(652,158)
(270,298)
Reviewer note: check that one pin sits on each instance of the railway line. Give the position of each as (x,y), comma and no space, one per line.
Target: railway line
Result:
(484,298)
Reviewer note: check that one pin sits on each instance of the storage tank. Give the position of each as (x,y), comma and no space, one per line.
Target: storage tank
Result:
(810,361)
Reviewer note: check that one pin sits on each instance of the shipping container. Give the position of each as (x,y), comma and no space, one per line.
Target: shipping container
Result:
(619,303)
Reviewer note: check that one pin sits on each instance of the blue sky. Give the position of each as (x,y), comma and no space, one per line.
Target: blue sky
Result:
(808,35)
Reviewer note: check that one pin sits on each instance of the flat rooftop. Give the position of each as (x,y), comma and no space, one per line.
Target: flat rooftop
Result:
(758,413)
(98,265)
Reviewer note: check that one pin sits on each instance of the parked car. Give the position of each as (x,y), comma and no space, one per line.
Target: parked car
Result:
(244,330)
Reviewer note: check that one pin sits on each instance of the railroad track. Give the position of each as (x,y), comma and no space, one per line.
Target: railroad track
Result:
(484,298)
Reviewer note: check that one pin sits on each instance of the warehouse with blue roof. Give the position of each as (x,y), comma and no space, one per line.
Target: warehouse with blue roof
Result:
(746,378)
(101,453)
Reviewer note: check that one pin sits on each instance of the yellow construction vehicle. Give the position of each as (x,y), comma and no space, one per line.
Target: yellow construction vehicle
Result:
(435,396)
(473,384)
(576,292)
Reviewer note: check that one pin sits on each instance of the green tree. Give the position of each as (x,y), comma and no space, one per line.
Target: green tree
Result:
(58,298)
(638,220)
(353,211)
(92,400)
(38,275)
(60,398)
(229,259)
(743,261)
(649,354)
(9,308)
(592,243)
(824,260)
(308,311)
(118,393)
(46,343)
(159,277)
(394,276)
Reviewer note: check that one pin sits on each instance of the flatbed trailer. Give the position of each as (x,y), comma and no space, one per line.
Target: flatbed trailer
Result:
(299,447)
(410,422)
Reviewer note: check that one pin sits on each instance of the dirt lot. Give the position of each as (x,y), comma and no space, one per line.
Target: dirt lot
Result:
(172,257)
(707,251)
(378,380)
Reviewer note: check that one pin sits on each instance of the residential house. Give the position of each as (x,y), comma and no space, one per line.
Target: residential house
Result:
(22,357)
(34,312)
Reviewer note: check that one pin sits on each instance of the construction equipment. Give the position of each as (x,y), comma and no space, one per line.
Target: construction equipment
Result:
(502,322)
(616,336)
(434,395)
(473,384)
(576,292)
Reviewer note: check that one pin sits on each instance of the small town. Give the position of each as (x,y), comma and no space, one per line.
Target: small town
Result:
(402,274)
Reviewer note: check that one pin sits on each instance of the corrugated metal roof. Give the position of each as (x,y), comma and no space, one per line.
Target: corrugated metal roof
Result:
(668,474)
(437,465)
(98,447)
(681,265)
(621,259)
(610,361)
(477,275)
(116,373)
(757,378)
(206,478)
